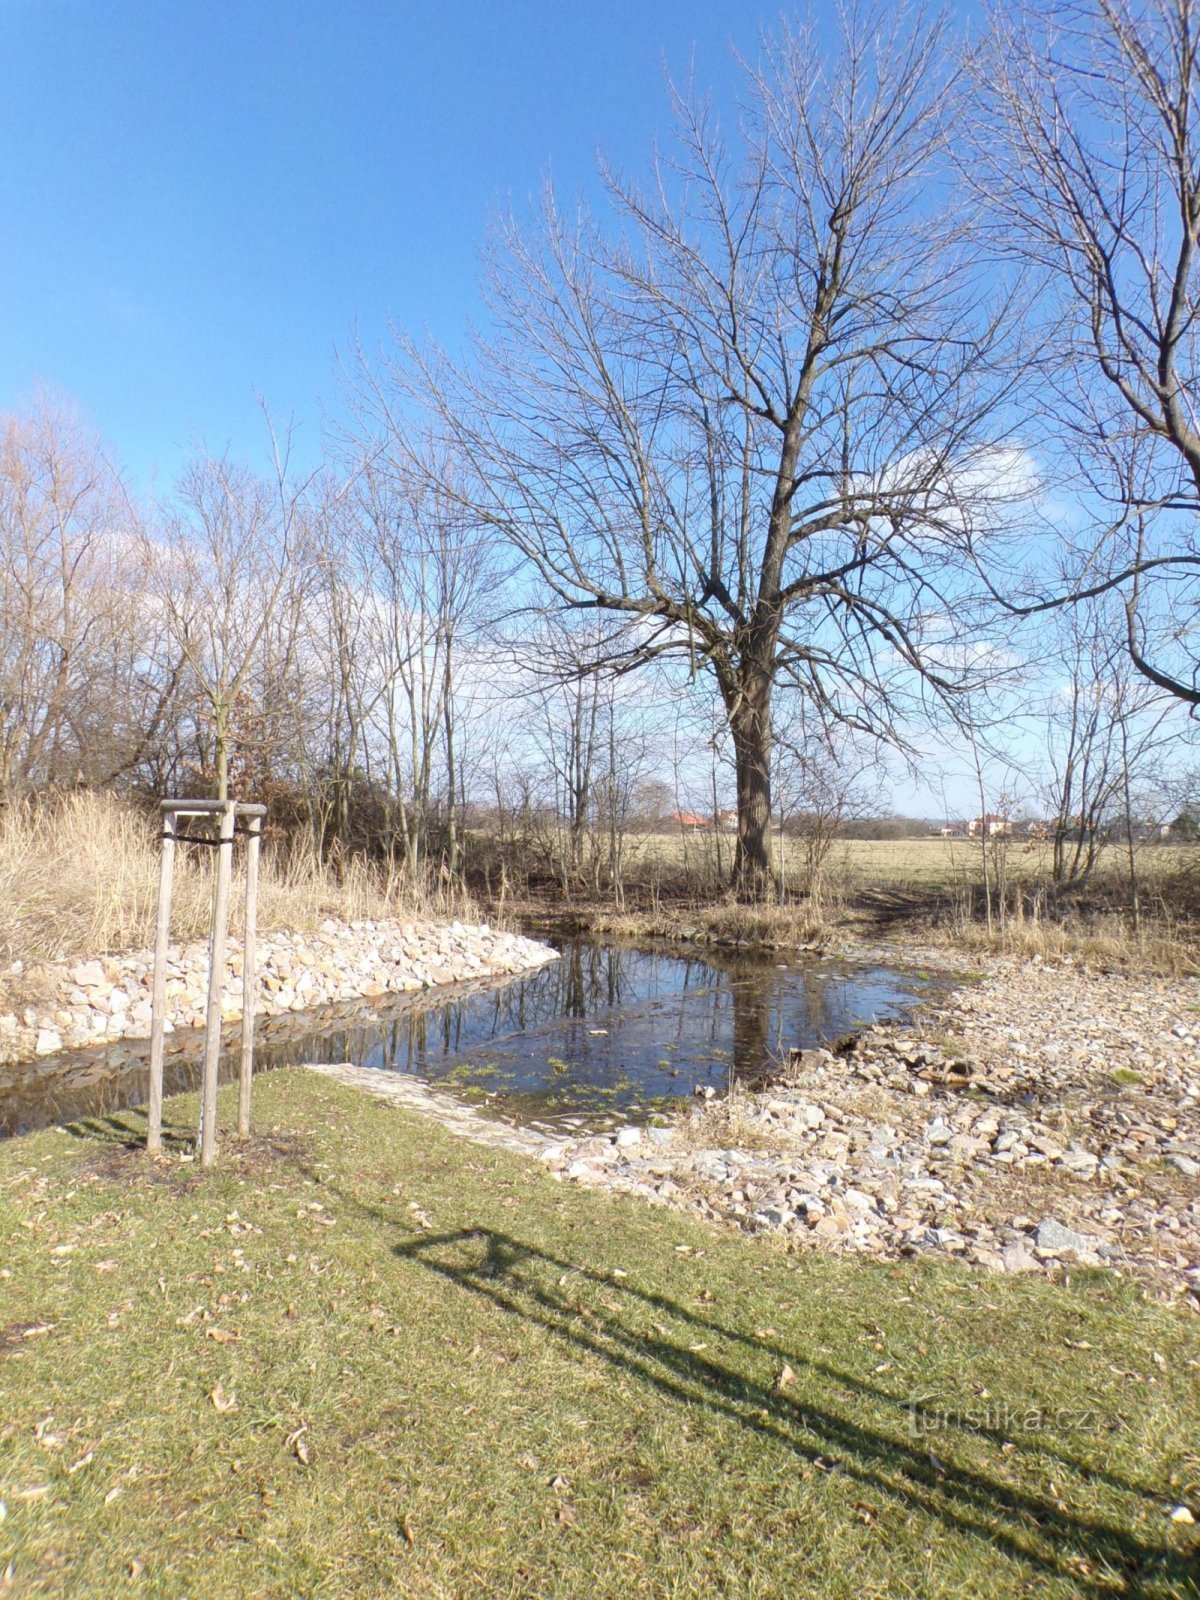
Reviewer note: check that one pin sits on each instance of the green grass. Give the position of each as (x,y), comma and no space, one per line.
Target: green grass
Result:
(454,1377)
(1126,1077)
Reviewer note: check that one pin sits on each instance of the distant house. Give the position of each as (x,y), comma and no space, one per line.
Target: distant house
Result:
(989,826)
(726,821)
(687,821)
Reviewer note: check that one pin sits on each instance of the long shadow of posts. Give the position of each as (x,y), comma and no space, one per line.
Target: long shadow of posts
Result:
(1099,1556)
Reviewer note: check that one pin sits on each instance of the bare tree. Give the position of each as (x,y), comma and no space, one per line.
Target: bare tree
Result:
(819,789)
(1089,157)
(747,423)
(1106,731)
(80,700)
(427,580)
(227,579)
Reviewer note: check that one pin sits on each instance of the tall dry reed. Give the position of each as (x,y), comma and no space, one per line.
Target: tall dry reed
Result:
(79,876)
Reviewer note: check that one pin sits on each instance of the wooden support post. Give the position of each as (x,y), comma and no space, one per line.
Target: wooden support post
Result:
(216,974)
(254,830)
(158,1016)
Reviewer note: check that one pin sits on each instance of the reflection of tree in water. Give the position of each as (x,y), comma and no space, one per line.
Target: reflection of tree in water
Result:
(750,1010)
(668,1018)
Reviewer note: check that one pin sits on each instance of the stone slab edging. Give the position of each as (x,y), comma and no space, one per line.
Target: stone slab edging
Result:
(414,1094)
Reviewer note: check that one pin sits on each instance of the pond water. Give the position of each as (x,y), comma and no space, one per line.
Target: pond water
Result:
(608,1029)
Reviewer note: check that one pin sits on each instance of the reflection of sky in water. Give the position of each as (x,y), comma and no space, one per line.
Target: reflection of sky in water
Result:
(610,1025)
(606,1027)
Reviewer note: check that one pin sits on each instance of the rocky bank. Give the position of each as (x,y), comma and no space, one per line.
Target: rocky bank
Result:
(1044,1117)
(103,1000)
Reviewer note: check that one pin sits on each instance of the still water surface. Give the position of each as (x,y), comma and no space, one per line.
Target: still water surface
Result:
(609,1028)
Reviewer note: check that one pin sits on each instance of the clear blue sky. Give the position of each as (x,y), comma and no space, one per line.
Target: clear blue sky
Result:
(201,198)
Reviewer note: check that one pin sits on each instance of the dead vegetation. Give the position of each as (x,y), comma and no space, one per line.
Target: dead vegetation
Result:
(79,876)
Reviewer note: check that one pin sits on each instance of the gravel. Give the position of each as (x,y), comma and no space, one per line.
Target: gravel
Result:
(1042,1119)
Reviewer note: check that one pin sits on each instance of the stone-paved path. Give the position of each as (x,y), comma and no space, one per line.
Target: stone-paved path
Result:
(457,1118)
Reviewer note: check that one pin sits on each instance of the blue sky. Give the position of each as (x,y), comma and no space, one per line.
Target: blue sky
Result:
(202,200)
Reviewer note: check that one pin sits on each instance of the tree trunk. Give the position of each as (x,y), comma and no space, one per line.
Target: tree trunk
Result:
(750,725)
(222,751)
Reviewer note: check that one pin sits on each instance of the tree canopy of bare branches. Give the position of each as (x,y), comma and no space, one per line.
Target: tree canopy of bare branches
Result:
(1089,155)
(78,701)
(749,417)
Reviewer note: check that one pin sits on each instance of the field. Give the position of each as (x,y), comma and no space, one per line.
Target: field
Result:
(360,1358)
(934,864)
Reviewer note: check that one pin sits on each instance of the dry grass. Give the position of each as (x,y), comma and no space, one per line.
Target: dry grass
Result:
(79,876)
(728,1122)
(719,920)
(1106,940)
(933,888)
(930,863)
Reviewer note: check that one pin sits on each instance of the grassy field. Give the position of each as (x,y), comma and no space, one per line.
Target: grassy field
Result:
(936,864)
(362,1359)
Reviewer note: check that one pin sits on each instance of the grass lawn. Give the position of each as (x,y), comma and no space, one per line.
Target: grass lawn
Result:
(364,1359)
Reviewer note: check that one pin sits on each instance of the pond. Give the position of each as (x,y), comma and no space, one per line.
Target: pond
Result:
(609,1029)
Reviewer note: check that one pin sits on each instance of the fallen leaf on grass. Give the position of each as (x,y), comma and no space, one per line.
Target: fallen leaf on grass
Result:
(298,1444)
(1182,1515)
(406,1529)
(222,1335)
(565,1515)
(83,1461)
(223,1401)
(785,1379)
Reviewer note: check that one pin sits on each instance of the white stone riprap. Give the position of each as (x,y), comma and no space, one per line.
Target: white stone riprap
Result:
(1044,1118)
(98,1001)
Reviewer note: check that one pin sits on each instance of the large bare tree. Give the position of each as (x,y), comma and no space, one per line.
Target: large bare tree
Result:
(1088,151)
(748,418)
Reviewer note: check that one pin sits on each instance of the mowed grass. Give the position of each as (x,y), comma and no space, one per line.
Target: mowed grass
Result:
(363,1359)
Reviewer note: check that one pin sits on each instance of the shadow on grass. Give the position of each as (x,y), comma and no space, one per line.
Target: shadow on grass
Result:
(125,1128)
(891,1459)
